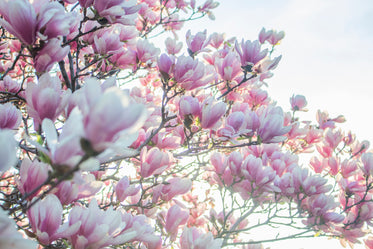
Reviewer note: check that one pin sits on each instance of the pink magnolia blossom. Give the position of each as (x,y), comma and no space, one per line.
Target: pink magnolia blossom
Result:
(146,52)
(258,178)
(333,137)
(276,37)
(50,53)
(106,43)
(326,122)
(8,151)
(124,59)
(348,168)
(197,43)
(228,67)
(53,21)
(117,11)
(153,162)
(65,151)
(298,103)
(10,237)
(123,189)
(189,106)
(264,35)
(272,128)
(31,175)
(216,39)
(45,99)
(207,7)
(174,186)
(367,160)
(46,217)
(211,113)
(98,228)
(165,65)
(219,161)
(10,85)
(193,238)
(309,184)
(250,52)
(191,74)
(145,232)
(235,160)
(108,116)
(317,165)
(172,46)
(81,186)
(10,116)
(175,217)
(321,207)
(19,19)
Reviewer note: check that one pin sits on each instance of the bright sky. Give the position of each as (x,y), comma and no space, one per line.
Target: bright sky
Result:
(327,56)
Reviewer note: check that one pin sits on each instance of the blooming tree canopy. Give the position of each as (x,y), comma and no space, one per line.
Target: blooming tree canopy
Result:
(109,141)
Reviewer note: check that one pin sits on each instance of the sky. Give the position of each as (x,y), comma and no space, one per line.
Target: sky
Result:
(327,57)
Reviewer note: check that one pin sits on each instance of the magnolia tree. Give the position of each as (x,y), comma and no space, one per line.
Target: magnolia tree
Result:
(106,142)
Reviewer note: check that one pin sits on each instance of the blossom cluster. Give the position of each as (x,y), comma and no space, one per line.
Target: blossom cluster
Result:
(109,140)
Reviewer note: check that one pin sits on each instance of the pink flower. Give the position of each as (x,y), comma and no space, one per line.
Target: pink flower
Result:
(10,85)
(153,162)
(123,189)
(10,237)
(219,161)
(229,67)
(260,177)
(191,74)
(8,156)
(272,128)
(50,53)
(109,116)
(145,232)
(298,103)
(165,64)
(309,184)
(321,207)
(367,160)
(172,46)
(189,106)
(276,37)
(264,35)
(53,21)
(98,228)
(32,175)
(197,43)
(147,53)
(250,52)
(81,186)
(333,137)
(174,186)
(10,116)
(207,7)
(216,39)
(45,99)
(193,238)
(211,113)
(106,42)
(45,217)
(19,19)
(117,11)
(175,218)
